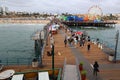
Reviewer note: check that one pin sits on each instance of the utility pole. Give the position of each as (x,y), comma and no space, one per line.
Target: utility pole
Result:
(116,37)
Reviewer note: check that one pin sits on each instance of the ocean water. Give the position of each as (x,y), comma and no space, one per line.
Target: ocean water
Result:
(106,35)
(16,42)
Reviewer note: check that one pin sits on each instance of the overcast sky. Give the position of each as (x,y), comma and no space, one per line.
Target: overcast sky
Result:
(61,6)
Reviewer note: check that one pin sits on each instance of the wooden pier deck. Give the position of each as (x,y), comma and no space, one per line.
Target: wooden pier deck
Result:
(108,70)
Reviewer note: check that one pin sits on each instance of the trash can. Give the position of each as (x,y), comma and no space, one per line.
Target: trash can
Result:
(111,57)
(35,63)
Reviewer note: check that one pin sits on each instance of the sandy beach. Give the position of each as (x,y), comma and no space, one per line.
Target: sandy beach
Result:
(25,21)
(117,21)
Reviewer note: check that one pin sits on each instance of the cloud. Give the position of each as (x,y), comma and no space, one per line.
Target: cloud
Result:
(18,3)
(110,6)
(59,6)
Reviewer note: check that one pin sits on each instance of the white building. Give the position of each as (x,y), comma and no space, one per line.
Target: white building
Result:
(3,10)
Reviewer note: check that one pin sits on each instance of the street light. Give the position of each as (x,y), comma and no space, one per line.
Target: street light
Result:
(52,51)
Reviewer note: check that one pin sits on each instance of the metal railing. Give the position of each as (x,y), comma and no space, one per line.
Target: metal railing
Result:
(36,71)
(78,71)
(59,74)
(16,61)
(63,69)
(45,42)
(104,45)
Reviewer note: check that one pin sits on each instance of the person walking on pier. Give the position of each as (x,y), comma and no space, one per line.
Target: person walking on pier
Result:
(81,43)
(88,45)
(75,42)
(65,42)
(52,41)
(95,68)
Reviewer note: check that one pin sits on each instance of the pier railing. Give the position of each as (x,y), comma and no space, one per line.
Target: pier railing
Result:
(33,74)
(16,61)
(63,69)
(45,42)
(24,61)
(78,71)
(40,38)
(104,45)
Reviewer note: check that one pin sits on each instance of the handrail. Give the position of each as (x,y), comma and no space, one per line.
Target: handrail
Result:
(45,42)
(35,71)
(78,71)
(63,69)
(17,61)
(59,74)
(105,46)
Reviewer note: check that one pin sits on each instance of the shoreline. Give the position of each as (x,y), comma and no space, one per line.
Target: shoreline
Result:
(25,21)
(14,21)
(35,21)
(116,21)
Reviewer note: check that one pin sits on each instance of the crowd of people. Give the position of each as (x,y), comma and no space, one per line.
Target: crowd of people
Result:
(76,40)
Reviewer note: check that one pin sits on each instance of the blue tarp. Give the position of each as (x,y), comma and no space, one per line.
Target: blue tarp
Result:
(95,21)
(70,18)
(81,19)
(74,18)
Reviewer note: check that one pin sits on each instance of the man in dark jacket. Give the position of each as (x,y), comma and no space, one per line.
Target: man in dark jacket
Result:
(95,66)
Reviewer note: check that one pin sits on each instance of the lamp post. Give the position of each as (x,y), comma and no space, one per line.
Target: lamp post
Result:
(117,37)
(52,51)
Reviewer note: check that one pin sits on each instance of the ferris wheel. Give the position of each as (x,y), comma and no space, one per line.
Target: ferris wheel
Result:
(95,12)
